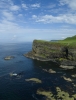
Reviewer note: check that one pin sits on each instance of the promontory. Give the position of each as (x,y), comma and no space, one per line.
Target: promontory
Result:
(62,52)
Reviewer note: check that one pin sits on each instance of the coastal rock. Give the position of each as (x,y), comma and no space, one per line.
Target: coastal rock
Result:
(74,75)
(67,79)
(47,94)
(13,74)
(67,67)
(16,75)
(53,51)
(49,71)
(60,95)
(8,57)
(36,80)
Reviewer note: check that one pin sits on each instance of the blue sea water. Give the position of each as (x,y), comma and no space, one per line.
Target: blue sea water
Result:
(16,88)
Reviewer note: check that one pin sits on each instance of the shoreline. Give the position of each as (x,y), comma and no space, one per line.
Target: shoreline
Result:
(64,62)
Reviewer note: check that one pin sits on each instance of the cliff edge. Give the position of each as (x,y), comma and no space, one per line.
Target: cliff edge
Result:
(61,52)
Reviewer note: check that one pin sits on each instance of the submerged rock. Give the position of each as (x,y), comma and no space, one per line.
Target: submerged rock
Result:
(16,75)
(74,84)
(67,67)
(47,94)
(49,71)
(67,79)
(8,57)
(13,74)
(63,95)
(36,80)
(60,95)
(73,75)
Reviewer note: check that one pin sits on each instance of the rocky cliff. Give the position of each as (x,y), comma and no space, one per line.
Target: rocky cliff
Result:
(57,52)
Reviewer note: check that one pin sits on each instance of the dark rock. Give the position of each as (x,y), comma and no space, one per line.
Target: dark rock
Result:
(66,67)
(49,51)
(8,57)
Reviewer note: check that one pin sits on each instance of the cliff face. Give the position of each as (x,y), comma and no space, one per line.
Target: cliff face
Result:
(46,49)
(54,51)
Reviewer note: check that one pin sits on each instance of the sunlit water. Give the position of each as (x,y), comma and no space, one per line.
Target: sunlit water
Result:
(16,88)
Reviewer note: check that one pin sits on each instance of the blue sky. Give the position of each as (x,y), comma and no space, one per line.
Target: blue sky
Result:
(26,20)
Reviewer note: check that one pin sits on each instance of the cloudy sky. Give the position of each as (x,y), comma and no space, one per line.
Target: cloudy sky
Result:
(26,20)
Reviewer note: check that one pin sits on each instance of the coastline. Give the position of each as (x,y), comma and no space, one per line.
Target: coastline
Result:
(57,52)
(65,62)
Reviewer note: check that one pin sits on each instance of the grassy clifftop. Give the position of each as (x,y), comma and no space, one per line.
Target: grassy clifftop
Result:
(70,41)
(56,51)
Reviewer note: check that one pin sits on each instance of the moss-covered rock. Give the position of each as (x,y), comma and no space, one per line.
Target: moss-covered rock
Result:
(49,71)
(36,80)
(8,57)
(58,52)
(60,95)
(67,79)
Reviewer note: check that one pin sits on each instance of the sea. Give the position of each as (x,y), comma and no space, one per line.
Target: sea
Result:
(16,87)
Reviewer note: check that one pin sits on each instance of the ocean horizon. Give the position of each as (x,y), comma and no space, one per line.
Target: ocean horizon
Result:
(16,87)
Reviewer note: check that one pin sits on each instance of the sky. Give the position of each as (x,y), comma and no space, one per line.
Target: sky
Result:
(26,20)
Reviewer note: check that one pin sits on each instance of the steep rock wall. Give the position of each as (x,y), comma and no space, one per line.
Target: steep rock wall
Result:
(54,51)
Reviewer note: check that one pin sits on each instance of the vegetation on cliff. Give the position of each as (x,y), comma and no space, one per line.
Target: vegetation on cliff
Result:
(70,41)
(59,51)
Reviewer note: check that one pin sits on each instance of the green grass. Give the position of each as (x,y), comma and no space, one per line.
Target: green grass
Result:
(70,42)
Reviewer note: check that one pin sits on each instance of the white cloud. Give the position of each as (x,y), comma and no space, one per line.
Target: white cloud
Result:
(7,26)
(14,37)
(14,8)
(34,16)
(24,6)
(15,25)
(51,6)
(8,15)
(63,37)
(15,32)
(37,5)
(64,18)
(20,15)
(70,3)
(5,4)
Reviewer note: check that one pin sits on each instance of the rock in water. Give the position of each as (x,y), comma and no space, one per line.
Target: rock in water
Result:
(34,80)
(8,57)
(67,67)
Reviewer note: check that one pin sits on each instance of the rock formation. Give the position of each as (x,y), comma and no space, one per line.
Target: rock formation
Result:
(52,51)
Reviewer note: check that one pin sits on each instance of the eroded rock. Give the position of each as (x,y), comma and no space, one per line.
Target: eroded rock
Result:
(49,71)
(8,57)
(55,52)
(47,94)
(73,75)
(60,95)
(16,75)
(67,67)
(67,79)
(36,80)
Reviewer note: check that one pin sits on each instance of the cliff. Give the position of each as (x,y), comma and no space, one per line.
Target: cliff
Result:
(59,52)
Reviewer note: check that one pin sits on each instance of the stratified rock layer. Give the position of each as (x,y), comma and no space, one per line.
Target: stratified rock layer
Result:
(52,51)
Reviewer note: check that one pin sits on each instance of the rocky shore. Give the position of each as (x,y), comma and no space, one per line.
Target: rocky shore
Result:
(55,52)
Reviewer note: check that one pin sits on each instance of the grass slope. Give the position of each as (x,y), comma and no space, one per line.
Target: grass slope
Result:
(70,41)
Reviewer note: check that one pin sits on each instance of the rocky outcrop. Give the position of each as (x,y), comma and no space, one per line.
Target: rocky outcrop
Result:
(52,51)
(8,57)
